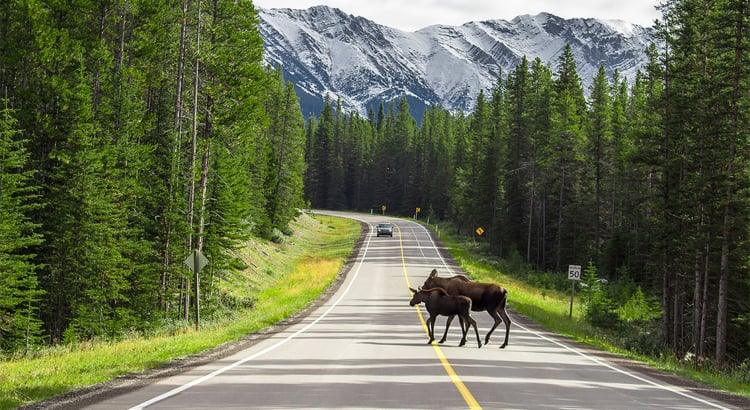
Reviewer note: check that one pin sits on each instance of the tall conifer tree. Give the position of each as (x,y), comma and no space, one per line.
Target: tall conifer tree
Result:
(20,327)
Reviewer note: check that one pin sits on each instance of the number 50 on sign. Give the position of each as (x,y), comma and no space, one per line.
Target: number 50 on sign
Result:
(574,272)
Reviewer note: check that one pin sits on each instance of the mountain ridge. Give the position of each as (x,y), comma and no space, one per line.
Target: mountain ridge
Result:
(325,51)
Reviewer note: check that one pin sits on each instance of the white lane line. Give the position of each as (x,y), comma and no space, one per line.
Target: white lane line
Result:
(624,372)
(215,373)
(434,246)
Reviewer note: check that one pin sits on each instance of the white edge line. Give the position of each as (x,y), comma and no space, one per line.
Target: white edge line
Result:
(626,373)
(434,246)
(215,373)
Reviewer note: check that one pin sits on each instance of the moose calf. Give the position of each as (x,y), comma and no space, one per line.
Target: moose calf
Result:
(438,302)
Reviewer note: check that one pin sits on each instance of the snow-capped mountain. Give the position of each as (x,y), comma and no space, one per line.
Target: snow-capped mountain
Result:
(325,51)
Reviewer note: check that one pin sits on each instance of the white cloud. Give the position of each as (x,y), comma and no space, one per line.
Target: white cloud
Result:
(412,15)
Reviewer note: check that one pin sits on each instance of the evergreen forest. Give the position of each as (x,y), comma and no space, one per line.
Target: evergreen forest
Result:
(644,182)
(135,132)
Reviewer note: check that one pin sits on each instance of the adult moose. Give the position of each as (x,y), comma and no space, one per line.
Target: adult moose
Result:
(438,302)
(484,296)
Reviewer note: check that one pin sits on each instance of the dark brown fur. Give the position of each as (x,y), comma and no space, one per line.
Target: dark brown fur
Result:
(438,302)
(484,296)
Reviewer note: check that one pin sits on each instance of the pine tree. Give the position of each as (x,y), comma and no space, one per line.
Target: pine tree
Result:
(437,133)
(319,169)
(496,167)
(540,117)
(20,327)
(401,149)
(616,249)
(563,152)
(646,129)
(476,175)
(286,136)
(519,169)
(309,178)
(599,157)
(337,194)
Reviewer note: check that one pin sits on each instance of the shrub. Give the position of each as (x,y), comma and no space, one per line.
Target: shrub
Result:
(287,230)
(277,236)
(599,309)
(742,372)
(637,308)
(643,337)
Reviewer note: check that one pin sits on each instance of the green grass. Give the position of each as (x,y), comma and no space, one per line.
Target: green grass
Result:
(301,269)
(551,309)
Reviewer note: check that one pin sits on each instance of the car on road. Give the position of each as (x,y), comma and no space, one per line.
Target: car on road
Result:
(385,229)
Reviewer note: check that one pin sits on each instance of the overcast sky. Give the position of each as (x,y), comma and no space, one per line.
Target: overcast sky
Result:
(411,15)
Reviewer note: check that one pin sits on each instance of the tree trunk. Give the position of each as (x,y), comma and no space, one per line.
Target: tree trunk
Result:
(175,161)
(697,294)
(722,308)
(542,237)
(704,301)
(193,158)
(598,200)
(560,221)
(531,215)
(667,281)
(181,66)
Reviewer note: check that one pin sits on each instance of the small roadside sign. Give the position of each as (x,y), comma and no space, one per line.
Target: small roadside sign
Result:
(191,260)
(479,231)
(195,262)
(574,272)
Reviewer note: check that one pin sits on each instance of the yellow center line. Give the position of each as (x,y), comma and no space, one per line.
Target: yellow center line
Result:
(465,393)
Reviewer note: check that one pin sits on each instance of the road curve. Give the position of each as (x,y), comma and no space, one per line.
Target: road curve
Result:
(365,347)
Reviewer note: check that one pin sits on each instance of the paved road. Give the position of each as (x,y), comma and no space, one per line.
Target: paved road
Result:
(366,348)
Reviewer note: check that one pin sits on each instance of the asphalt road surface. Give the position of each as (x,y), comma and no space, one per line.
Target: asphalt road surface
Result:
(365,347)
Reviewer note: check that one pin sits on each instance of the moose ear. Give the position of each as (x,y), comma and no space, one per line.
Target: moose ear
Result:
(413,291)
(433,273)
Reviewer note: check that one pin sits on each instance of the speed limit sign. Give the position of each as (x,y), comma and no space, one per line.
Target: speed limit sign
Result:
(574,272)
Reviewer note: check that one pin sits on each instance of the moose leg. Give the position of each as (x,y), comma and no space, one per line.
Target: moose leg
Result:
(472,322)
(464,329)
(497,319)
(506,319)
(431,329)
(447,326)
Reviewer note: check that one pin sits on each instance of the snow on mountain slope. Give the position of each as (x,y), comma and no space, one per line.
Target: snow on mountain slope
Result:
(325,51)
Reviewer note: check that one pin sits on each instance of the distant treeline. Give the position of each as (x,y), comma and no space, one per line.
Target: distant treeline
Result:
(648,182)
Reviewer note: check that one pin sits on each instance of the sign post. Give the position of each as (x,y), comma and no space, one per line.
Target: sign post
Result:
(574,274)
(195,262)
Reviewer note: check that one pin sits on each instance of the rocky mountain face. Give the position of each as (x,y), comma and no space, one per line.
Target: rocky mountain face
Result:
(325,51)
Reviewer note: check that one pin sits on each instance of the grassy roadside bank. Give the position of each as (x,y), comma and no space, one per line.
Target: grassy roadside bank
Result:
(282,280)
(551,309)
